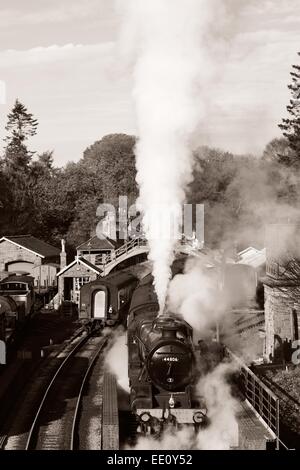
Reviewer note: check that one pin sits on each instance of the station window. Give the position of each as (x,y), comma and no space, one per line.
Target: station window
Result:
(80,281)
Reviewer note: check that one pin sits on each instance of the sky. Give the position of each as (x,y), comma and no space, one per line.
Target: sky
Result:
(62,60)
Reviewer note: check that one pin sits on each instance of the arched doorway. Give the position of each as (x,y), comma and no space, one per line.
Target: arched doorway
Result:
(20,266)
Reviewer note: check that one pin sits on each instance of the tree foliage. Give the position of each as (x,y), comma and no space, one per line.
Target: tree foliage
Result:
(16,169)
(291,125)
(240,193)
(51,203)
(20,126)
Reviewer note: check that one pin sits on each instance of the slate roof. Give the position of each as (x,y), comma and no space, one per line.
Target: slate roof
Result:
(33,244)
(96,243)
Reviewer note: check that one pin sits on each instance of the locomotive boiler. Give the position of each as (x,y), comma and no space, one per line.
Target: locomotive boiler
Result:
(164,366)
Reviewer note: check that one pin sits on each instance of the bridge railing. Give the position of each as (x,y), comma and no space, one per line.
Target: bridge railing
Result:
(124,249)
(260,397)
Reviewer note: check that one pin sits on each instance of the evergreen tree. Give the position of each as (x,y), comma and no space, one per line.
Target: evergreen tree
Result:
(20,126)
(16,167)
(291,125)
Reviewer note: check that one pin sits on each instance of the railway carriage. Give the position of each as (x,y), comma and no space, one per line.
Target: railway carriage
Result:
(105,301)
(17,300)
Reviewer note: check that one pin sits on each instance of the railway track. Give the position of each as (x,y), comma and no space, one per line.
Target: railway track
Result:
(87,428)
(76,399)
(18,417)
(55,423)
(56,398)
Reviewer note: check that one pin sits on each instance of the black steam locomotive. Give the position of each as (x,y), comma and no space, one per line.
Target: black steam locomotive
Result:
(164,365)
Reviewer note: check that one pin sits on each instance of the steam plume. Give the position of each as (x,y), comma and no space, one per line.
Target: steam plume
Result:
(116,358)
(171,67)
(195,295)
(222,431)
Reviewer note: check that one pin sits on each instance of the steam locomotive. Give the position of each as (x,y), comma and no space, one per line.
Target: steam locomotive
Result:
(164,365)
(105,301)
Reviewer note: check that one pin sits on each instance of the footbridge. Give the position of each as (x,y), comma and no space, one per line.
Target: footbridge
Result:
(130,249)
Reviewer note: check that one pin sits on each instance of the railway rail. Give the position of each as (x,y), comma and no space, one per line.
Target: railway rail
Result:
(83,413)
(14,420)
(54,425)
(57,398)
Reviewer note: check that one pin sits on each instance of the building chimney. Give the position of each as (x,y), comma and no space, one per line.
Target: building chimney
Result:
(63,255)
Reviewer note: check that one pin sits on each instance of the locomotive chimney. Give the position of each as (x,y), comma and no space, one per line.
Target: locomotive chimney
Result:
(168,333)
(63,255)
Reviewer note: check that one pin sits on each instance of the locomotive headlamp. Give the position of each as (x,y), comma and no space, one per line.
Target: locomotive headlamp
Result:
(145,417)
(198,417)
(171,402)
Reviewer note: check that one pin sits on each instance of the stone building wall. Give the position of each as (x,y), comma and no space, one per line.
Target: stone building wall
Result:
(282,288)
(280,302)
(10,252)
(78,270)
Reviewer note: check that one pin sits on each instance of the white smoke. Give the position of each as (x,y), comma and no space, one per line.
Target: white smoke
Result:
(222,431)
(196,295)
(175,52)
(116,358)
(170,440)
(176,48)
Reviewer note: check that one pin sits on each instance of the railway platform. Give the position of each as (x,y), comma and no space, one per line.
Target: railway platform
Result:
(258,413)
(253,434)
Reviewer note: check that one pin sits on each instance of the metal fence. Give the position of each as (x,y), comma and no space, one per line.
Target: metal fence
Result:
(260,397)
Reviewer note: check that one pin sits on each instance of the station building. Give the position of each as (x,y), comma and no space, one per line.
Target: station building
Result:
(27,254)
(282,290)
(86,267)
